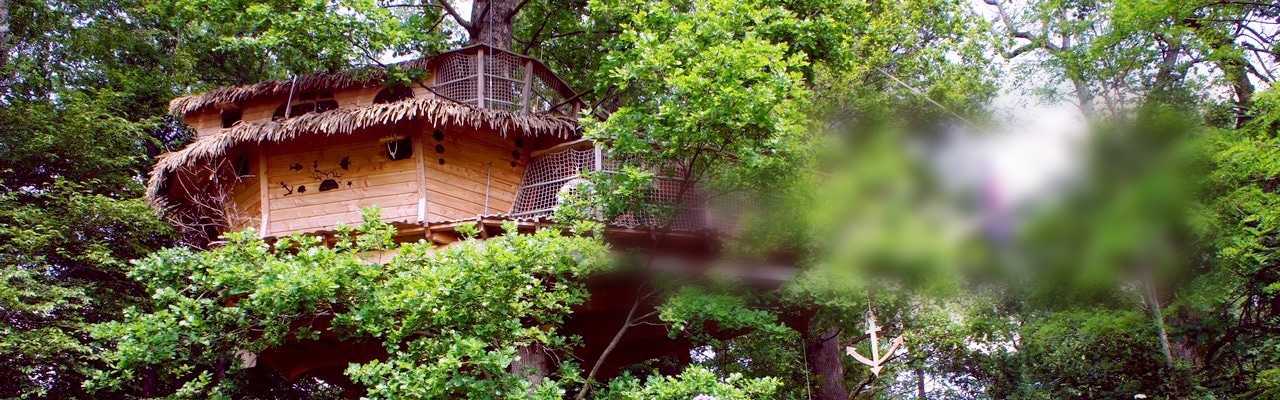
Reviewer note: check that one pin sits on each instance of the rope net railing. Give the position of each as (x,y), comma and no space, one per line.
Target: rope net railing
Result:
(498,79)
(549,179)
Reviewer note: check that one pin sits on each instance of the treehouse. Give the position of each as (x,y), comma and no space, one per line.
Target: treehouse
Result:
(489,137)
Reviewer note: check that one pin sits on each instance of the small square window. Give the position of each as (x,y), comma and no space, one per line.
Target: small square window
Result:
(231,117)
(400,149)
(242,166)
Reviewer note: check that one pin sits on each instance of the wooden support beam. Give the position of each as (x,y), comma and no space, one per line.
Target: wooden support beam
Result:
(528,82)
(480,78)
(420,158)
(263,186)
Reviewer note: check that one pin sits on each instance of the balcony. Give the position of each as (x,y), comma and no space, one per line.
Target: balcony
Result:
(489,77)
(555,173)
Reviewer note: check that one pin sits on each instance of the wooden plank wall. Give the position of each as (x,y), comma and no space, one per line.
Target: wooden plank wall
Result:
(456,188)
(209,121)
(297,171)
(245,209)
(458,170)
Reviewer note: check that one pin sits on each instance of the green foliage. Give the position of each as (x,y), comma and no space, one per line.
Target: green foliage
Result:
(1229,301)
(304,36)
(692,308)
(693,383)
(710,100)
(451,319)
(1097,354)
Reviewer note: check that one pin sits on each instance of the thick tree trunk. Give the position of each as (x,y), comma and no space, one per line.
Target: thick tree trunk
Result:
(491,22)
(824,352)
(533,363)
(4,38)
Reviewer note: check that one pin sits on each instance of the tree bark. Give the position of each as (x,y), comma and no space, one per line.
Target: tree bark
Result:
(532,364)
(824,352)
(491,22)
(920,382)
(1233,65)
(4,38)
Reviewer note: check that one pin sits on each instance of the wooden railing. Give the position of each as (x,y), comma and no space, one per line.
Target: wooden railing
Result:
(489,77)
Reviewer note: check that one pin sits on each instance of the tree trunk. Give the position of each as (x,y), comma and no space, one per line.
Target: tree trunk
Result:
(492,22)
(824,352)
(4,38)
(1235,67)
(1084,96)
(920,382)
(532,364)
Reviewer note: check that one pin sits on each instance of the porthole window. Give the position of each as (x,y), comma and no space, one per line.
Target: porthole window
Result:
(392,94)
(306,102)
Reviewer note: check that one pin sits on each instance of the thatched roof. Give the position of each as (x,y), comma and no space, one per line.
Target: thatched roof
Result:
(368,76)
(349,120)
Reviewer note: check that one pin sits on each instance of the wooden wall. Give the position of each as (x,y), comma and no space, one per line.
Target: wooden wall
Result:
(446,179)
(317,182)
(472,160)
(245,209)
(361,175)
(209,121)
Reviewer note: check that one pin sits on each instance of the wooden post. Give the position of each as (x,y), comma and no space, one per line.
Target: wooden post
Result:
(480,78)
(528,82)
(264,199)
(420,158)
(488,180)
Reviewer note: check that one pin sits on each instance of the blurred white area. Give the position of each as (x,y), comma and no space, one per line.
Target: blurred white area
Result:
(1029,154)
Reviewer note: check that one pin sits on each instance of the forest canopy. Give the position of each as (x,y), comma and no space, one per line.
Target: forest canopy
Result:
(1150,270)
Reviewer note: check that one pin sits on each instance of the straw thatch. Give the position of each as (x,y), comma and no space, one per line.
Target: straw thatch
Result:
(364,77)
(346,121)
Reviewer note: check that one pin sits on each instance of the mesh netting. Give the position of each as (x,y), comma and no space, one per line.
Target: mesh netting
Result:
(504,80)
(549,178)
(545,178)
(504,84)
(545,92)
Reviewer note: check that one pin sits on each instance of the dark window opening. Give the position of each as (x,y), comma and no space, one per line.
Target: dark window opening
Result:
(393,94)
(307,102)
(242,166)
(400,149)
(231,117)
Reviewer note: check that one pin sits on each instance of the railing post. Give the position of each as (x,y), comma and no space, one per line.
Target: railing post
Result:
(528,82)
(599,158)
(480,78)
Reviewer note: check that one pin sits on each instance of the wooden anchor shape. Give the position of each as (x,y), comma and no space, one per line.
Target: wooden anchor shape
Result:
(876,362)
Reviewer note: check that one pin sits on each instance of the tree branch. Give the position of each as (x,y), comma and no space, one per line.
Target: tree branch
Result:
(448,8)
(595,369)
(515,10)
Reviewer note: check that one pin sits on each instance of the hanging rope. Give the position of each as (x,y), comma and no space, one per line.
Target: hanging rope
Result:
(920,93)
(808,387)
(393,147)
(288,104)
